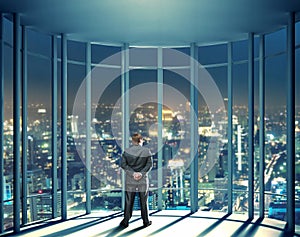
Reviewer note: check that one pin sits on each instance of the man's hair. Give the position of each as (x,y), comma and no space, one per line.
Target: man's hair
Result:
(136,137)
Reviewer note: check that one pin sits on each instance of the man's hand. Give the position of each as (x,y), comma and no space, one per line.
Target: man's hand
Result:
(137,175)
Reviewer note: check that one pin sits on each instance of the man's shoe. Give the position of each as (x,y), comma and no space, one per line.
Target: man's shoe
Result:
(147,224)
(123,225)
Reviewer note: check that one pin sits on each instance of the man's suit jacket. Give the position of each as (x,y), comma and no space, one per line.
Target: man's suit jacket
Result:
(136,159)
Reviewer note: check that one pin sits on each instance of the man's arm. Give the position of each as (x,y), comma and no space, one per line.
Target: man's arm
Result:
(148,165)
(125,166)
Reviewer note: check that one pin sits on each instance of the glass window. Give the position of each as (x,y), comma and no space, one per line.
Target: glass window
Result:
(275,96)
(176,57)
(106,139)
(140,95)
(212,148)
(76,134)
(213,54)
(76,51)
(139,77)
(185,50)
(143,57)
(59,135)
(176,136)
(256,138)
(240,137)
(219,75)
(8,138)
(275,100)
(101,54)
(240,50)
(143,107)
(275,42)
(38,43)
(39,174)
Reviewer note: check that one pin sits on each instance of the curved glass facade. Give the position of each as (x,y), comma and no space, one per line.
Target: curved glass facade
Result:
(200,109)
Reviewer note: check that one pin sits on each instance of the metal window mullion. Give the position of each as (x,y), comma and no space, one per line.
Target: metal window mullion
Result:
(1,122)
(194,126)
(160,94)
(88,111)
(64,107)
(16,120)
(262,127)
(24,125)
(251,126)
(54,127)
(125,108)
(290,121)
(230,129)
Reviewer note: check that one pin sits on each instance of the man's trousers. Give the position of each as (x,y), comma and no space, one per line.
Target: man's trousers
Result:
(129,201)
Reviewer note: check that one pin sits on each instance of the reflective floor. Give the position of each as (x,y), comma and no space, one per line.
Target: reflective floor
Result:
(165,223)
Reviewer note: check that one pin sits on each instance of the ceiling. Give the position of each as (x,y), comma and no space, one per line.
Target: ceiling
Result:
(153,22)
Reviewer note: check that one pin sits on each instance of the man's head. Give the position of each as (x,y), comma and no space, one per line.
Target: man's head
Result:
(137,138)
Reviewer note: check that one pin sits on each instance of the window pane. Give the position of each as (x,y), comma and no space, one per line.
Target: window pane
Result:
(212,147)
(59,160)
(75,144)
(240,138)
(176,57)
(276,136)
(219,75)
(213,54)
(240,50)
(102,52)
(76,51)
(275,42)
(39,43)
(39,175)
(176,136)
(106,139)
(256,138)
(8,138)
(143,118)
(143,57)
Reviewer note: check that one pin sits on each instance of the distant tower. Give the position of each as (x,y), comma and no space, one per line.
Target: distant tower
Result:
(176,167)
(73,123)
(239,144)
(42,112)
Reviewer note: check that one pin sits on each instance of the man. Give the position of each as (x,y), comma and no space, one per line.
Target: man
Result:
(136,162)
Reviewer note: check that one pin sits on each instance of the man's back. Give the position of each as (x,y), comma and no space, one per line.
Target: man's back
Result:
(137,158)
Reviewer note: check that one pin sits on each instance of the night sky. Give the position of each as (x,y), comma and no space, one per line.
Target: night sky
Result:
(39,68)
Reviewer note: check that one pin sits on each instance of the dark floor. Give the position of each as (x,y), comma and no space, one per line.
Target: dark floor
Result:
(165,223)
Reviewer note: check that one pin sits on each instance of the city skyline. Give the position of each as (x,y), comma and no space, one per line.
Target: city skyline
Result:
(108,166)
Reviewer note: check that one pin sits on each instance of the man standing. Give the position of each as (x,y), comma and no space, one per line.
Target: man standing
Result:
(136,162)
